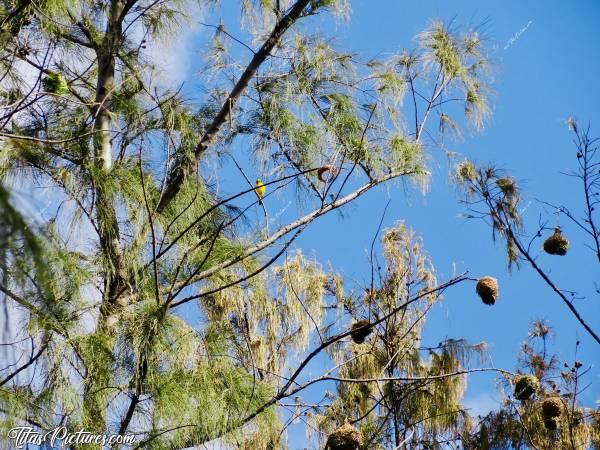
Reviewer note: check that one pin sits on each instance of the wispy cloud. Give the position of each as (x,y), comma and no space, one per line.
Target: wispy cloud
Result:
(174,56)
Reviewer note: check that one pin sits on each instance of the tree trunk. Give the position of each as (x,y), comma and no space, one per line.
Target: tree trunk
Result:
(114,271)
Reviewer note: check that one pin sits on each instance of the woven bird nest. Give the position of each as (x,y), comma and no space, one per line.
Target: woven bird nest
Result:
(330,170)
(556,244)
(487,289)
(365,388)
(551,424)
(552,408)
(345,437)
(359,334)
(526,386)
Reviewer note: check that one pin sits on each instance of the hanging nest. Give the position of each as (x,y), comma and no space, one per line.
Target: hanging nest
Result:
(526,386)
(330,170)
(556,244)
(55,83)
(359,334)
(552,408)
(487,289)
(365,389)
(551,424)
(345,437)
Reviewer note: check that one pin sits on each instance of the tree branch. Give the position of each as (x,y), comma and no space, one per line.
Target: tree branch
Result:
(289,228)
(26,365)
(180,172)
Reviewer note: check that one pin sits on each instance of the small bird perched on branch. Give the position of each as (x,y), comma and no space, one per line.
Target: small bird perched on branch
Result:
(259,189)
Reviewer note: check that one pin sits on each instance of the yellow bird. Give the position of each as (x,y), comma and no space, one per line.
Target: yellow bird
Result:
(259,188)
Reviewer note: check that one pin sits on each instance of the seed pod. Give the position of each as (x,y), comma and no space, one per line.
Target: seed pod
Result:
(359,334)
(487,289)
(23,51)
(526,386)
(345,437)
(556,244)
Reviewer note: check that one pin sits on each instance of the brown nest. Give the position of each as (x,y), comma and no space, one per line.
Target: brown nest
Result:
(552,408)
(556,244)
(332,171)
(364,388)
(526,386)
(551,424)
(360,331)
(345,437)
(487,289)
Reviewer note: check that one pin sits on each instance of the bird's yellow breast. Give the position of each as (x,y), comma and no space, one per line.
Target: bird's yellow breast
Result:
(260,189)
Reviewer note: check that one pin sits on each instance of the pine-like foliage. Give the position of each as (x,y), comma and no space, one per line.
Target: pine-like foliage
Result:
(410,393)
(154,301)
(525,423)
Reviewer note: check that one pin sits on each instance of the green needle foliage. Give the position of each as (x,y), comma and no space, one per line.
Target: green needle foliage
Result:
(405,399)
(155,300)
(55,83)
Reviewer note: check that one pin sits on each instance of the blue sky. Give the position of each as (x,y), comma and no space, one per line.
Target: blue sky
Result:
(546,75)
(546,66)
(547,72)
